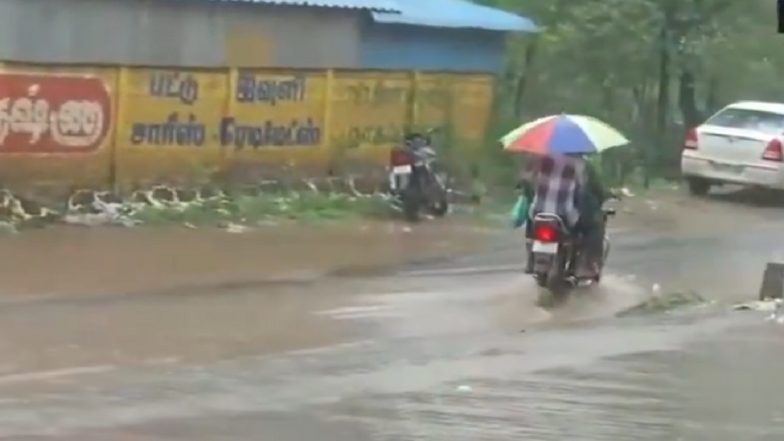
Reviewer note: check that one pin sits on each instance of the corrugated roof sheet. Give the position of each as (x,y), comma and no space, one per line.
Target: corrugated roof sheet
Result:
(373,5)
(455,14)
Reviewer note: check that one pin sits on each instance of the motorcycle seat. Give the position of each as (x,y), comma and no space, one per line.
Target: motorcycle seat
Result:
(552,218)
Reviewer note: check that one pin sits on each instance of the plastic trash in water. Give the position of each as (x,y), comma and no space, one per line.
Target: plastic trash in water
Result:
(236,228)
(774,306)
(770,305)
(777,315)
(464,388)
(626,192)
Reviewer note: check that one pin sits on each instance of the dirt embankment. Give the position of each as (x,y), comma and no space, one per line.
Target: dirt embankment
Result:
(96,261)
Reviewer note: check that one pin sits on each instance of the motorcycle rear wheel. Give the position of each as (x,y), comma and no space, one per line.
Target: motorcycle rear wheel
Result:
(555,287)
(410,203)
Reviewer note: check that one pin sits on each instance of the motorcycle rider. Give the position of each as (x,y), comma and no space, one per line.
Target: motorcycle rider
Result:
(591,199)
(570,187)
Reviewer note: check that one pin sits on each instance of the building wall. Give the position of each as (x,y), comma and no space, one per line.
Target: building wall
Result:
(103,126)
(177,33)
(387,46)
(130,93)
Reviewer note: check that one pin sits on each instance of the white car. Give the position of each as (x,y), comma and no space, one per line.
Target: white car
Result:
(741,144)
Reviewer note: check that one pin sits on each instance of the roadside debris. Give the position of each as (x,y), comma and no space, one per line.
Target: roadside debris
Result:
(22,211)
(769,305)
(191,207)
(236,228)
(774,306)
(8,228)
(625,192)
(89,208)
(464,388)
(659,303)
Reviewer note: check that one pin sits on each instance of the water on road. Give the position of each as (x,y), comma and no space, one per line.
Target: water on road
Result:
(444,351)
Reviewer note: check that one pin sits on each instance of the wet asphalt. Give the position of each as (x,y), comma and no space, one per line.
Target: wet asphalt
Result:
(452,350)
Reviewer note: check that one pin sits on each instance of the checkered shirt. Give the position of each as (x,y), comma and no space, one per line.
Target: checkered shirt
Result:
(556,185)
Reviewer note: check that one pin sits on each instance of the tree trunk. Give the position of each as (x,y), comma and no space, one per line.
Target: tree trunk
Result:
(687,99)
(522,79)
(712,99)
(608,99)
(662,103)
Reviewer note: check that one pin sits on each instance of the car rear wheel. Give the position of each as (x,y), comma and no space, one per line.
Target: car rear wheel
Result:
(698,187)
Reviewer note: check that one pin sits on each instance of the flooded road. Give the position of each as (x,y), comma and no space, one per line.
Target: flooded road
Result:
(452,350)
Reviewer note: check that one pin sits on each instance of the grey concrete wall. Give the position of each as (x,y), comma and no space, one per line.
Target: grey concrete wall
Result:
(177,33)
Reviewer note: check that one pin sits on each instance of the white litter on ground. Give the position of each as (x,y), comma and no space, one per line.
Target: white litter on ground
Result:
(774,306)
(236,228)
(770,305)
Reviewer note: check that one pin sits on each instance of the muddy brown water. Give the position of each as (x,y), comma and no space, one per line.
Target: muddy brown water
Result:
(438,351)
(76,261)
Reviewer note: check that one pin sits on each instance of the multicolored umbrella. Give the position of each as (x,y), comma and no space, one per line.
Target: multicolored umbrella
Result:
(563,134)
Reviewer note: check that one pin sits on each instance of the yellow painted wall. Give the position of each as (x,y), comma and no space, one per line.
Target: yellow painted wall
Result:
(433,100)
(472,97)
(276,117)
(168,127)
(370,113)
(181,126)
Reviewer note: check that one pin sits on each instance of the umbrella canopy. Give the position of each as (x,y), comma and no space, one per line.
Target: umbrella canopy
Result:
(563,134)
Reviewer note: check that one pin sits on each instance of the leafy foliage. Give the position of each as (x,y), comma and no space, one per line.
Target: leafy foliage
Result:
(649,67)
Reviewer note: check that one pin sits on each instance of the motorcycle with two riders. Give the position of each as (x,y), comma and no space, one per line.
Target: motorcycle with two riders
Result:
(554,248)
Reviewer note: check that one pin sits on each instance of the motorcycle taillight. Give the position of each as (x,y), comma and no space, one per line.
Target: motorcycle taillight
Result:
(546,233)
(399,157)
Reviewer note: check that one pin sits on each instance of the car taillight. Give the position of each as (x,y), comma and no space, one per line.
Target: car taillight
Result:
(545,233)
(692,140)
(774,151)
(399,157)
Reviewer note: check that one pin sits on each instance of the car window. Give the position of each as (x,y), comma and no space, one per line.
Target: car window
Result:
(765,122)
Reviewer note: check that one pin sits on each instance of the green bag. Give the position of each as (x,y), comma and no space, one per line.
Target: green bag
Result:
(520,211)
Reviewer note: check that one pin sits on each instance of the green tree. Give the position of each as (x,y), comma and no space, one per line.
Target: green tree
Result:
(649,67)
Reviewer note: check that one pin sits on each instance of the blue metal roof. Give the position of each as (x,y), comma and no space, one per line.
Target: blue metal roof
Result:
(454,14)
(372,5)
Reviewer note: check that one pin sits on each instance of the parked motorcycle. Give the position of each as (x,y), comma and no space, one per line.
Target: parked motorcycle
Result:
(414,179)
(556,251)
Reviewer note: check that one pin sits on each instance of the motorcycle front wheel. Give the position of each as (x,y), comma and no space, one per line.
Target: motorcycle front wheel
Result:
(440,206)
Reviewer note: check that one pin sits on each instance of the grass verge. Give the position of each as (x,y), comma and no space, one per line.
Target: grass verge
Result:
(305,207)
